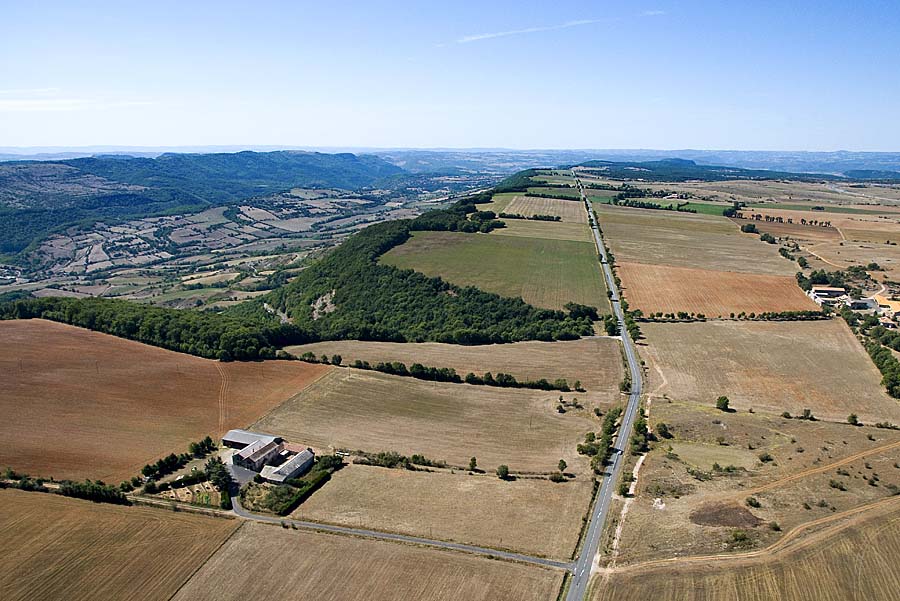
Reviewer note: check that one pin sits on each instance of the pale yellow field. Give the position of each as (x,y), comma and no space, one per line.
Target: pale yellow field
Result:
(667,238)
(569,211)
(548,230)
(536,517)
(61,548)
(370,411)
(856,559)
(769,366)
(596,362)
(265,561)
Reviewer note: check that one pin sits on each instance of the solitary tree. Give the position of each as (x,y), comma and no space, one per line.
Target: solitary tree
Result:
(503,472)
(473,463)
(562,465)
(662,430)
(852,419)
(722,403)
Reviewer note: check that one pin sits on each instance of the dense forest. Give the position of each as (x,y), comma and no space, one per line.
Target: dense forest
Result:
(372,301)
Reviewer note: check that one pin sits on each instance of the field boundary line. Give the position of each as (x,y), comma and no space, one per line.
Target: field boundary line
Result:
(817,470)
(205,561)
(487,552)
(773,549)
(309,386)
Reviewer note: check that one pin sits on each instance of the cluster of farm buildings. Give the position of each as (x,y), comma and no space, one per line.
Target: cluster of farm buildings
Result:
(272,458)
(879,305)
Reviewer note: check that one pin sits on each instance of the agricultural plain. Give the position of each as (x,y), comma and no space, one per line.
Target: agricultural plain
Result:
(545,273)
(853,559)
(568,210)
(80,404)
(669,238)
(666,289)
(61,548)
(536,517)
(373,412)
(769,366)
(287,564)
(595,362)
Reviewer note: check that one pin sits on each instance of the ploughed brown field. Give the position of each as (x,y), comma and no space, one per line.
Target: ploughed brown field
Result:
(533,516)
(61,548)
(595,362)
(667,289)
(265,561)
(78,404)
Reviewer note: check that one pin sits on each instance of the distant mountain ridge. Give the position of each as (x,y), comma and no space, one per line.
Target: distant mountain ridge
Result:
(675,170)
(37,197)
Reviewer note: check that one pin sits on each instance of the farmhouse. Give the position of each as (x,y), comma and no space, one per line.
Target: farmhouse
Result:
(238,439)
(861,304)
(292,468)
(255,455)
(827,295)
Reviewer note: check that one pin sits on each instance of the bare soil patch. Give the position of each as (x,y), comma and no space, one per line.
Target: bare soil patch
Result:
(731,515)
(79,404)
(275,563)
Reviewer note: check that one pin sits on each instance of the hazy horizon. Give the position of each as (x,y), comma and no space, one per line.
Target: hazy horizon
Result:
(812,76)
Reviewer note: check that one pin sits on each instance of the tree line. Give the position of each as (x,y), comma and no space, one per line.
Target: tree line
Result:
(445,374)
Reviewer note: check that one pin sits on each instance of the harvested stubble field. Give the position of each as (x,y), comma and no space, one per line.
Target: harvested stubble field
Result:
(596,362)
(854,558)
(291,565)
(536,517)
(794,231)
(873,228)
(79,404)
(843,254)
(694,513)
(769,366)
(669,238)
(61,548)
(374,412)
(545,230)
(660,288)
(545,273)
(570,211)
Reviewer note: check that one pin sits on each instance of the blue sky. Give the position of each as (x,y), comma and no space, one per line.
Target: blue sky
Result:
(657,74)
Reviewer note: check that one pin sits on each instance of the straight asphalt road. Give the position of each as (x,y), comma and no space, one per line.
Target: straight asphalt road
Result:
(241,512)
(582,569)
